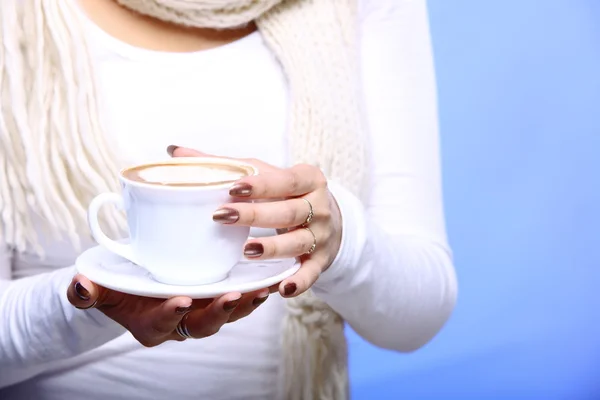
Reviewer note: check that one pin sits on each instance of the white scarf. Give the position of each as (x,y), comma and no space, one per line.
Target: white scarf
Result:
(49,127)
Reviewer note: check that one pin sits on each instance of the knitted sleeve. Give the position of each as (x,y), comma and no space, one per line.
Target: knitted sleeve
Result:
(393,280)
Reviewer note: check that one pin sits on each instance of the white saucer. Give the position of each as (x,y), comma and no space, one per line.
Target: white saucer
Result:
(111,271)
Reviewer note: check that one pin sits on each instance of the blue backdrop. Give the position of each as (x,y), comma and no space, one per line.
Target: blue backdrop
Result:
(519,105)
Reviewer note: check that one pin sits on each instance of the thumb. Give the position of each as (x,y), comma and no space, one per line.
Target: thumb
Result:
(83,293)
(177,151)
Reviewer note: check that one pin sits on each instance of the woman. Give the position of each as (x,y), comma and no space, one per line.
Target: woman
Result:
(336,96)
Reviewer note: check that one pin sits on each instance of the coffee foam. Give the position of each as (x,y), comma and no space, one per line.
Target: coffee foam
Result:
(185,174)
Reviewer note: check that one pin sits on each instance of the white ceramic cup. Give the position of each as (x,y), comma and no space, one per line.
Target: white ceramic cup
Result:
(171,231)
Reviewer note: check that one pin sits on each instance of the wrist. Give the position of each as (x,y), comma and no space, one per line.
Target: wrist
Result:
(335,242)
(352,238)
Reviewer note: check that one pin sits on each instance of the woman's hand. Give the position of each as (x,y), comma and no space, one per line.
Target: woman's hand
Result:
(300,207)
(154,321)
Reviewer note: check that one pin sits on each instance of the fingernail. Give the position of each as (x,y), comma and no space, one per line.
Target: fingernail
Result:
(289,289)
(226,215)
(259,300)
(183,310)
(254,250)
(82,292)
(231,305)
(241,190)
(171,149)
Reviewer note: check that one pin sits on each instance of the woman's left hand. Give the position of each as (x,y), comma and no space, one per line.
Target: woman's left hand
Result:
(299,206)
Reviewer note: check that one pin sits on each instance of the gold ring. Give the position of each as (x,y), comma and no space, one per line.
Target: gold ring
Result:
(311,213)
(314,245)
(182,329)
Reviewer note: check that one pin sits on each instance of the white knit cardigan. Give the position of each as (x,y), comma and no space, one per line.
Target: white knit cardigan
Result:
(49,126)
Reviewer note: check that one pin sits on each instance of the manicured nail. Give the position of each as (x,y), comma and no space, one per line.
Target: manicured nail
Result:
(231,305)
(254,250)
(259,300)
(171,149)
(226,215)
(241,190)
(183,310)
(289,289)
(82,292)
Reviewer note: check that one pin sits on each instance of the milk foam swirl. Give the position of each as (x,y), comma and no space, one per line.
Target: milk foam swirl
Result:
(186,174)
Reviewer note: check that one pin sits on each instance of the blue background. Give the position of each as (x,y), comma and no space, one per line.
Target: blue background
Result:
(519,97)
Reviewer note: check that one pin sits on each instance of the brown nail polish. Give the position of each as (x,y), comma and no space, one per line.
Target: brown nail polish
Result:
(226,215)
(82,292)
(241,190)
(289,289)
(183,310)
(231,305)
(254,250)
(259,300)
(171,149)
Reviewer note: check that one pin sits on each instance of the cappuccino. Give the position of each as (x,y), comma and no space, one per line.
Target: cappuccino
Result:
(169,206)
(192,174)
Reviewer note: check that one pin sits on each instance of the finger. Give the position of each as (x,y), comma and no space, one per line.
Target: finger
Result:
(177,151)
(199,304)
(83,293)
(292,244)
(302,280)
(207,322)
(164,319)
(272,214)
(274,288)
(249,303)
(280,183)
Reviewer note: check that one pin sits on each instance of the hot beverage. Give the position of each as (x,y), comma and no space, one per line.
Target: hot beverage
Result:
(170,174)
(169,207)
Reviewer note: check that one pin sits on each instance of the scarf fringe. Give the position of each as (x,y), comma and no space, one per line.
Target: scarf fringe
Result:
(54,154)
(314,350)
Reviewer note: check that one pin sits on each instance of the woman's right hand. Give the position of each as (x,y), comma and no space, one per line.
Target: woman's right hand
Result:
(153,321)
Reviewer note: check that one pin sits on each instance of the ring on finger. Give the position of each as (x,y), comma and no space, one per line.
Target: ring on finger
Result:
(311,213)
(182,329)
(313,247)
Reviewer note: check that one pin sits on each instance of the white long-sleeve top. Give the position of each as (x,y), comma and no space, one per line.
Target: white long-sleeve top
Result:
(393,280)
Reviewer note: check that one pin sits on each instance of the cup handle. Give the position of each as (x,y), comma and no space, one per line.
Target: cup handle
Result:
(123,250)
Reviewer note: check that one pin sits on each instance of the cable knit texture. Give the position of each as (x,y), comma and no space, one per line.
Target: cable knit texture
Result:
(54,157)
